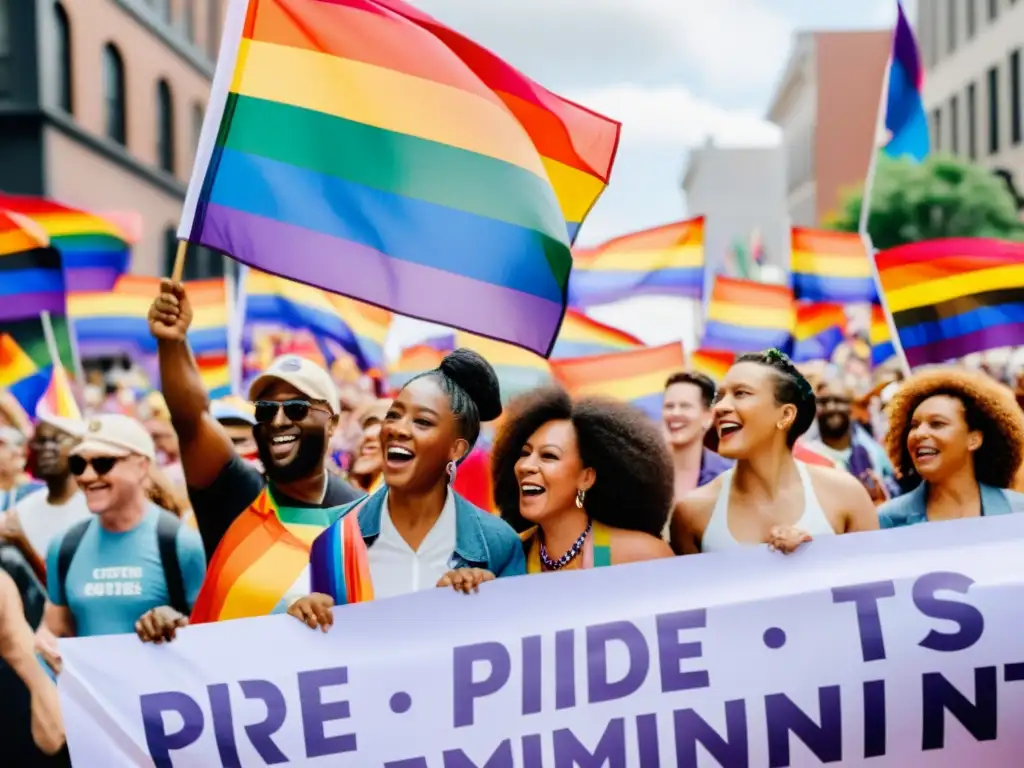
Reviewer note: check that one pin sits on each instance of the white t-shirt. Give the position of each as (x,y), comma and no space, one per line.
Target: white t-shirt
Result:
(42,521)
(395,569)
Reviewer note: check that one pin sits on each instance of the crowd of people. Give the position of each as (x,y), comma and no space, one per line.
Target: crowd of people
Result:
(301,500)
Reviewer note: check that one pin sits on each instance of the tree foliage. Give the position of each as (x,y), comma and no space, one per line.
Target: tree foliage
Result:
(940,197)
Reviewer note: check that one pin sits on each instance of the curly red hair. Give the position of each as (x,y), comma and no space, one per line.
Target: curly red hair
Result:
(989,408)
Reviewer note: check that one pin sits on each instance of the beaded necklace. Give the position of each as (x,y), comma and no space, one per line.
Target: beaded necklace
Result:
(569,556)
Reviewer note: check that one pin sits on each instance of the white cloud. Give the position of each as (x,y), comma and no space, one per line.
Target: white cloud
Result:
(673,116)
(727,45)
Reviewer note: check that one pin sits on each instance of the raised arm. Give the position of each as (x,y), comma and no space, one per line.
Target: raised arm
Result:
(205,447)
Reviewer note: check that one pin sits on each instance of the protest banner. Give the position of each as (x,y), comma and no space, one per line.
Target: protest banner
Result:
(895,648)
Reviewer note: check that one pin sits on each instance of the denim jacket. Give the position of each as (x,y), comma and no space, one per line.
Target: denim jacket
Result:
(912,507)
(482,540)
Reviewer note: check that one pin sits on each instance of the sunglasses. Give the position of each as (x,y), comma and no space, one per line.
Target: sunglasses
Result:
(294,410)
(101,465)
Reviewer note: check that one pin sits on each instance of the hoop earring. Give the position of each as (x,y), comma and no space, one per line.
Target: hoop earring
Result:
(452,470)
(580,496)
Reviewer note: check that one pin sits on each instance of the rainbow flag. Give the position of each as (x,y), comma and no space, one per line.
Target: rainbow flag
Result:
(413,361)
(313,164)
(666,260)
(369,325)
(339,565)
(116,320)
(830,267)
(882,348)
(819,329)
(215,371)
(58,399)
(519,370)
(713,363)
(949,298)
(31,278)
(94,251)
(582,336)
(261,561)
(25,363)
(746,316)
(637,376)
(905,120)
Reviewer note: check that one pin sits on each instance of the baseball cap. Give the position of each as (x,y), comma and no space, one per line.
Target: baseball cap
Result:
(305,375)
(114,434)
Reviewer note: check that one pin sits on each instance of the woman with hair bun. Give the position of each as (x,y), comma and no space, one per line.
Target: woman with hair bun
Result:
(417,531)
(961,434)
(588,483)
(764,404)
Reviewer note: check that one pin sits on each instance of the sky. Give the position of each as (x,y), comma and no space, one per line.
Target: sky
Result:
(674,72)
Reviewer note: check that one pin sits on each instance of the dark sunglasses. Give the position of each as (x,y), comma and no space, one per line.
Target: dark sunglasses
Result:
(294,410)
(101,465)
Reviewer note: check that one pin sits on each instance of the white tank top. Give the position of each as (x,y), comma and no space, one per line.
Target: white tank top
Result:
(718,537)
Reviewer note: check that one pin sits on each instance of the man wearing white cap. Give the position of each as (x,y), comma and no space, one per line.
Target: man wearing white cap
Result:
(130,556)
(36,519)
(296,413)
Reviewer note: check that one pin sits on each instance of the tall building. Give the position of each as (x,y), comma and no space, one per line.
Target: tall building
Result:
(741,193)
(972,85)
(827,107)
(101,104)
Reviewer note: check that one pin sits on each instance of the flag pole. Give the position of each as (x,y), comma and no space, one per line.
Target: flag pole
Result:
(865,212)
(179,261)
(51,339)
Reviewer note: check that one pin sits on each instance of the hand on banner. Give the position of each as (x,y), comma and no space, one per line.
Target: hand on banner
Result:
(313,610)
(46,647)
(786,538)
(160,624)
(171,313)
(465,580)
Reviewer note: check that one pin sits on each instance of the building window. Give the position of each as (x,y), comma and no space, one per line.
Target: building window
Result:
(972,19)
(5,47)
(188,19)
(951,25)
(64,69)
(972,121)
(993,9)
(114,94)
(1015,99)
(197,125)
(165,126)
(993,111)
(954,125)
(936,129)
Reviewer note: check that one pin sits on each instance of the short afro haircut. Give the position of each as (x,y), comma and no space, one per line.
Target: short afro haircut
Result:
(634,485)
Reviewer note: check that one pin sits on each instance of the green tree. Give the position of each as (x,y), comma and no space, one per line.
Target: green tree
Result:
(940,197)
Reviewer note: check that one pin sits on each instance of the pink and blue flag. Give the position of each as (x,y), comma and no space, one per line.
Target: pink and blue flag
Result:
(905,118)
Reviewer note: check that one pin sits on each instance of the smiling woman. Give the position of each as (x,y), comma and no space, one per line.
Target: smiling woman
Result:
(963,435)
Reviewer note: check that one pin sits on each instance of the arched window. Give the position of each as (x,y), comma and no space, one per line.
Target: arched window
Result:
(114,94)
(165,126)
(197,124)
(170,249)
(62,27)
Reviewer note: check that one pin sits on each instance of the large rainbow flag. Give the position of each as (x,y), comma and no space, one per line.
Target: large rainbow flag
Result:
(94,250)
(365,148)
(819,329)
(637,376)
(830,267)
(747,316)
(949,298)
(582,336)
(667,260)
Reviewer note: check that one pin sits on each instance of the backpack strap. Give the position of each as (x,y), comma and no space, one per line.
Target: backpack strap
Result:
(167,528)
(66,553)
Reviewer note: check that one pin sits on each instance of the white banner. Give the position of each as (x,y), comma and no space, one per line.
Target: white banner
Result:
(898,648)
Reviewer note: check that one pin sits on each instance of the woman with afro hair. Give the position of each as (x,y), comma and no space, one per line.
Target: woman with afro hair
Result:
(764,404)
(962,435)
(587,483)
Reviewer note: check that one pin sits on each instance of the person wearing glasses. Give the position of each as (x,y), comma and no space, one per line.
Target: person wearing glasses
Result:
(130,556)
(272,515)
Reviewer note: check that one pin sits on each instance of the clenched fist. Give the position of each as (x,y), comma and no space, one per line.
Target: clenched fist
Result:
(171,313)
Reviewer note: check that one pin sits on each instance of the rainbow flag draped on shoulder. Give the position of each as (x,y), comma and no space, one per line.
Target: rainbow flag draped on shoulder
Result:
(365,148)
